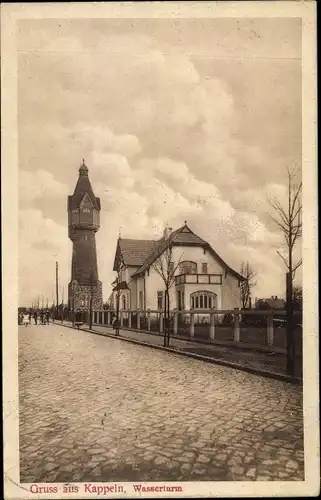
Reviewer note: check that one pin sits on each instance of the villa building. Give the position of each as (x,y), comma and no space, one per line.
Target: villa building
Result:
(202,280)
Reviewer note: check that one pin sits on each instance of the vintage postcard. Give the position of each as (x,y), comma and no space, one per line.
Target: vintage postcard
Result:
(159,214)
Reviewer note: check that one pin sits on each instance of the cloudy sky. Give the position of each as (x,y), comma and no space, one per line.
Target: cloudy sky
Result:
(177,119)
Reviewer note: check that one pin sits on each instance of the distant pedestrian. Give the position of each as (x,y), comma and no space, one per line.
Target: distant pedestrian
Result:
(47,316)
(35,317)
(42,316)
(115,324)
(26,320)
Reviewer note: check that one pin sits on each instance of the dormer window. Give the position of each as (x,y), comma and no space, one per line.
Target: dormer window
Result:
(87,210)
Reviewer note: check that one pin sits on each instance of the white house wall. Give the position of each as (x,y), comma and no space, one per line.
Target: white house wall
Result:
(228,294)
(154,283)
(132,292)
(231,292)
(196,254)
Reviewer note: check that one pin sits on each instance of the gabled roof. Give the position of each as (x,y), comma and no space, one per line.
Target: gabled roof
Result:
(83,187)
(272,303)
(133,252)
(180,237)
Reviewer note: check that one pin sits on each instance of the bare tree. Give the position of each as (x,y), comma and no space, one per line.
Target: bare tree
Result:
(116,323)
(297,297)
(288,219)
(247,284)
(166,268)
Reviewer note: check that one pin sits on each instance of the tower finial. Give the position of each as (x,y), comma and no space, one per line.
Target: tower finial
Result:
(83,169)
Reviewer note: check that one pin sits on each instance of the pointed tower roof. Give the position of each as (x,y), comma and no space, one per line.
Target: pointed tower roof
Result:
(83,187)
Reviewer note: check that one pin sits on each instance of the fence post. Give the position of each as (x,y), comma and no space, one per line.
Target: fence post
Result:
(121,318)
(175,322)
(129,319)
(212,327)
(161,322)
(270,330)
(148,319)
(236,325)
(138,320)
(192,326)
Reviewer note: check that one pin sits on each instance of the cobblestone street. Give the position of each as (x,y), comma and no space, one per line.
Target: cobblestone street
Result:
(94,408)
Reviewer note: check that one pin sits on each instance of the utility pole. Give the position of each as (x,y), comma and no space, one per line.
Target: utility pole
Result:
(57,299)
(63,307)
(91,304)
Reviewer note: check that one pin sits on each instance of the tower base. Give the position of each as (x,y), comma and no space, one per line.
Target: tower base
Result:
(80,295)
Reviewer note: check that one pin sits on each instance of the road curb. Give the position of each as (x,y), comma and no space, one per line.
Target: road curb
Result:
(254,371)
(233,345)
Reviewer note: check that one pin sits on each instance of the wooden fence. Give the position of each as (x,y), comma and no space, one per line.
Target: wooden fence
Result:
(203,323)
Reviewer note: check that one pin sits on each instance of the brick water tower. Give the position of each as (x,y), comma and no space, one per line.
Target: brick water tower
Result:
(85,289)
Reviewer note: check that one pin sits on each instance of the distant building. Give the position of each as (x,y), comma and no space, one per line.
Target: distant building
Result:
(202,280)
(83,223)
(273,303)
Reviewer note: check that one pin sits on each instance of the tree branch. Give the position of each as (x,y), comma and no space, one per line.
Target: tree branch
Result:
(297,266)
(283,258)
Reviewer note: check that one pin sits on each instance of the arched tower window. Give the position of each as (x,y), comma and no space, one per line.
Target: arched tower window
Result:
(188,267)
(124,302)
(203,299)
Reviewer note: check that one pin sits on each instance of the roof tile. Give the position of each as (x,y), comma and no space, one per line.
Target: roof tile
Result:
(135,252)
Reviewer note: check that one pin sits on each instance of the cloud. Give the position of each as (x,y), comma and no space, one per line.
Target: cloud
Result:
(100,139)
(171,127)
(38,184)
(42,242)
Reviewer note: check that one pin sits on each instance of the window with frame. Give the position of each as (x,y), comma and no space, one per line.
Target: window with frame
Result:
(87,210)
(180,300)
(188,267)
(204,267)
(160,299)
(203,299)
